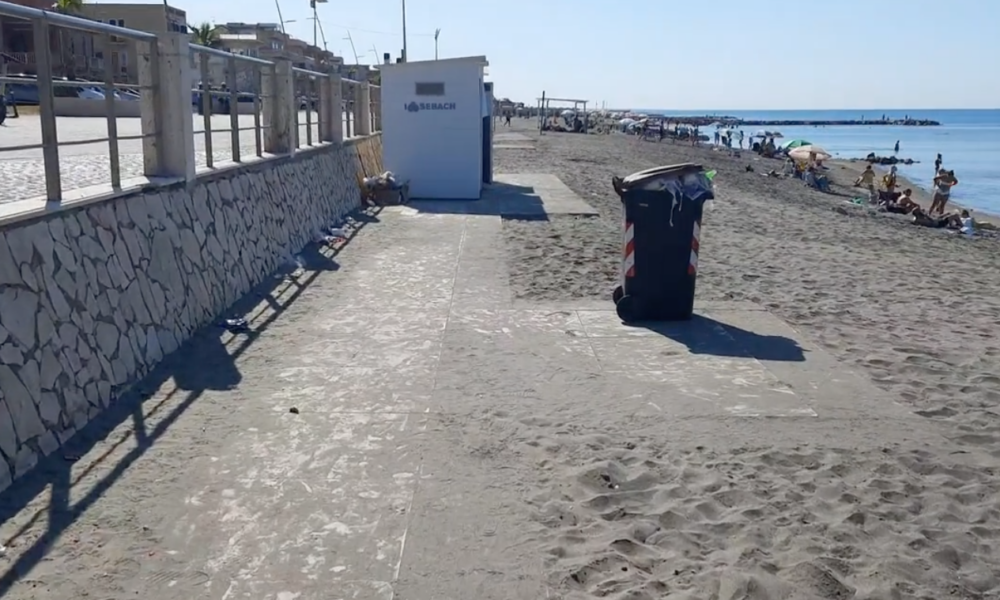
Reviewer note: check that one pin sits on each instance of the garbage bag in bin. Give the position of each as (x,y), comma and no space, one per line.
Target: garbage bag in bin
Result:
(662,210)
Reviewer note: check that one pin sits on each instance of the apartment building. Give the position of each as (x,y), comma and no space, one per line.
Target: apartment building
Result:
(260,40)
(120,53)
(266,41)
(82,55)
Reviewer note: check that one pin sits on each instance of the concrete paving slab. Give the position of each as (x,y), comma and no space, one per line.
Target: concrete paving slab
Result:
(294,508)
(510,137)
(481,279)
(835,388)
(457,549)
(700,359)
(514,146)
(535,195)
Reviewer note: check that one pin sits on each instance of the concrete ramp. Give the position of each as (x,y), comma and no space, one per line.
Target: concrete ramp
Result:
(512,141)
(535,195)
(510,137)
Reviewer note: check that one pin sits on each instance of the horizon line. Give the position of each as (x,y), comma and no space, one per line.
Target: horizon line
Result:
(722,110)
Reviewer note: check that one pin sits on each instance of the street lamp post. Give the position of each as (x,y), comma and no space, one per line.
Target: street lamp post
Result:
(312,5)
(404,30)
(437,32)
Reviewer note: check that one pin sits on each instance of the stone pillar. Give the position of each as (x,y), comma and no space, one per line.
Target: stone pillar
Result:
(278,107)
(331,107)
(165,79)
(362,109)
(376,105)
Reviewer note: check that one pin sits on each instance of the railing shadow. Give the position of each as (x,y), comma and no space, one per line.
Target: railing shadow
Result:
(201,364)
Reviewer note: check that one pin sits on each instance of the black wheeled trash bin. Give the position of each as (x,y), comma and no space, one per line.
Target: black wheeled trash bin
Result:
(661,210)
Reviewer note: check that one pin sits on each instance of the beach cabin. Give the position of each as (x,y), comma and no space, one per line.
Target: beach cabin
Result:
(436,125)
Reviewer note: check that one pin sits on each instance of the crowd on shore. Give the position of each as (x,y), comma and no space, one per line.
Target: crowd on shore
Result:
(885,194)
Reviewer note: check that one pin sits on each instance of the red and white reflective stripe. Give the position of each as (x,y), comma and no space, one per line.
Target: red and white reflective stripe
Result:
(693,263)
(628,263)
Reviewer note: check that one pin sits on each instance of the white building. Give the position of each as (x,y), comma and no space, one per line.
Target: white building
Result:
(435,125)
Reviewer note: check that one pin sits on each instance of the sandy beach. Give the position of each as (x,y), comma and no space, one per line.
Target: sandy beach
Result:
(839,516)
(415,415)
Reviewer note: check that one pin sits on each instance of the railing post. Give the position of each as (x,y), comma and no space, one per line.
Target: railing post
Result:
(47,113)
(279,107)
(362,109)
(376,95)
(167,120)
(332,116)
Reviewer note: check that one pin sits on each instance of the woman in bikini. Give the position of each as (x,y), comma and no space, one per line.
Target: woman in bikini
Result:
(943,183)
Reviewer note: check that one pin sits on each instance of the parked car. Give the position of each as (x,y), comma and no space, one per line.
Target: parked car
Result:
(77,91)
(25,94)
(90,93)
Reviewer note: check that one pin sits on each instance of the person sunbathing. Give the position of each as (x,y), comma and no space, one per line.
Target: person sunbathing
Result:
(948,221)
(903,205)
(816,180)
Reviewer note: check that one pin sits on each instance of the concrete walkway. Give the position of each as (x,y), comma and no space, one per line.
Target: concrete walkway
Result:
(359,443)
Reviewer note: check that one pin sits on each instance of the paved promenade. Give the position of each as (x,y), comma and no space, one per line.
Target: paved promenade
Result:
(23,171)
(396,425)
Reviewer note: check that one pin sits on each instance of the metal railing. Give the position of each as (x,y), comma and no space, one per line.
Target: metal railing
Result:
(285,108)
(230,98)
(307,95)
(41,22)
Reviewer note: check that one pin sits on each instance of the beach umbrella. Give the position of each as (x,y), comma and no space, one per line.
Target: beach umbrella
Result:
(626,121)
(776,134)
(791,144)
(809,152)
(568,113)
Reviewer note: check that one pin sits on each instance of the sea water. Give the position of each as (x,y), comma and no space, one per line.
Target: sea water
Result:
(968,140)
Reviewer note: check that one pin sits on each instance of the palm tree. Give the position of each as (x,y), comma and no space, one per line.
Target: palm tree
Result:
(67,7)
(205,34)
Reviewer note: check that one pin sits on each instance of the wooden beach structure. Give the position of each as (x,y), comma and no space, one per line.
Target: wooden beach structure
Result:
(544,105)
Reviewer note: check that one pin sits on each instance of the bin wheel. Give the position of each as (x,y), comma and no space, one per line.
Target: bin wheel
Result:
(627,309)
(617,294)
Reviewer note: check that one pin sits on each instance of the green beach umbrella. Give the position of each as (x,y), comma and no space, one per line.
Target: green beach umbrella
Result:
(790,144)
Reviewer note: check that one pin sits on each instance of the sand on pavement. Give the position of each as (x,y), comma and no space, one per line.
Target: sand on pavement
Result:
(914,310)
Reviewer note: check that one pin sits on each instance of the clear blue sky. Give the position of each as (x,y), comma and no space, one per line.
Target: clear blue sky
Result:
(707,54)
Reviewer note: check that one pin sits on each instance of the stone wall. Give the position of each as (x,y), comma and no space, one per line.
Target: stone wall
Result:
(92,298)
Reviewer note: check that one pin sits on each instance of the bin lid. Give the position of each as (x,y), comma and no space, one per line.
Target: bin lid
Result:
(665,172)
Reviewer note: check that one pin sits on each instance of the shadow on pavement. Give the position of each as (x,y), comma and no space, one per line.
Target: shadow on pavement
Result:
(705,335)
(499,199)
(205,362)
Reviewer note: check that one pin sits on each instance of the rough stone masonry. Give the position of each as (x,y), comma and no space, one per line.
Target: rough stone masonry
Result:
(91,299)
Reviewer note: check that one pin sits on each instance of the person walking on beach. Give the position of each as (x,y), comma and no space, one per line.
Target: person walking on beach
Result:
(867,178)
(943,183)
(867,181)
(896,149)
(937,163)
